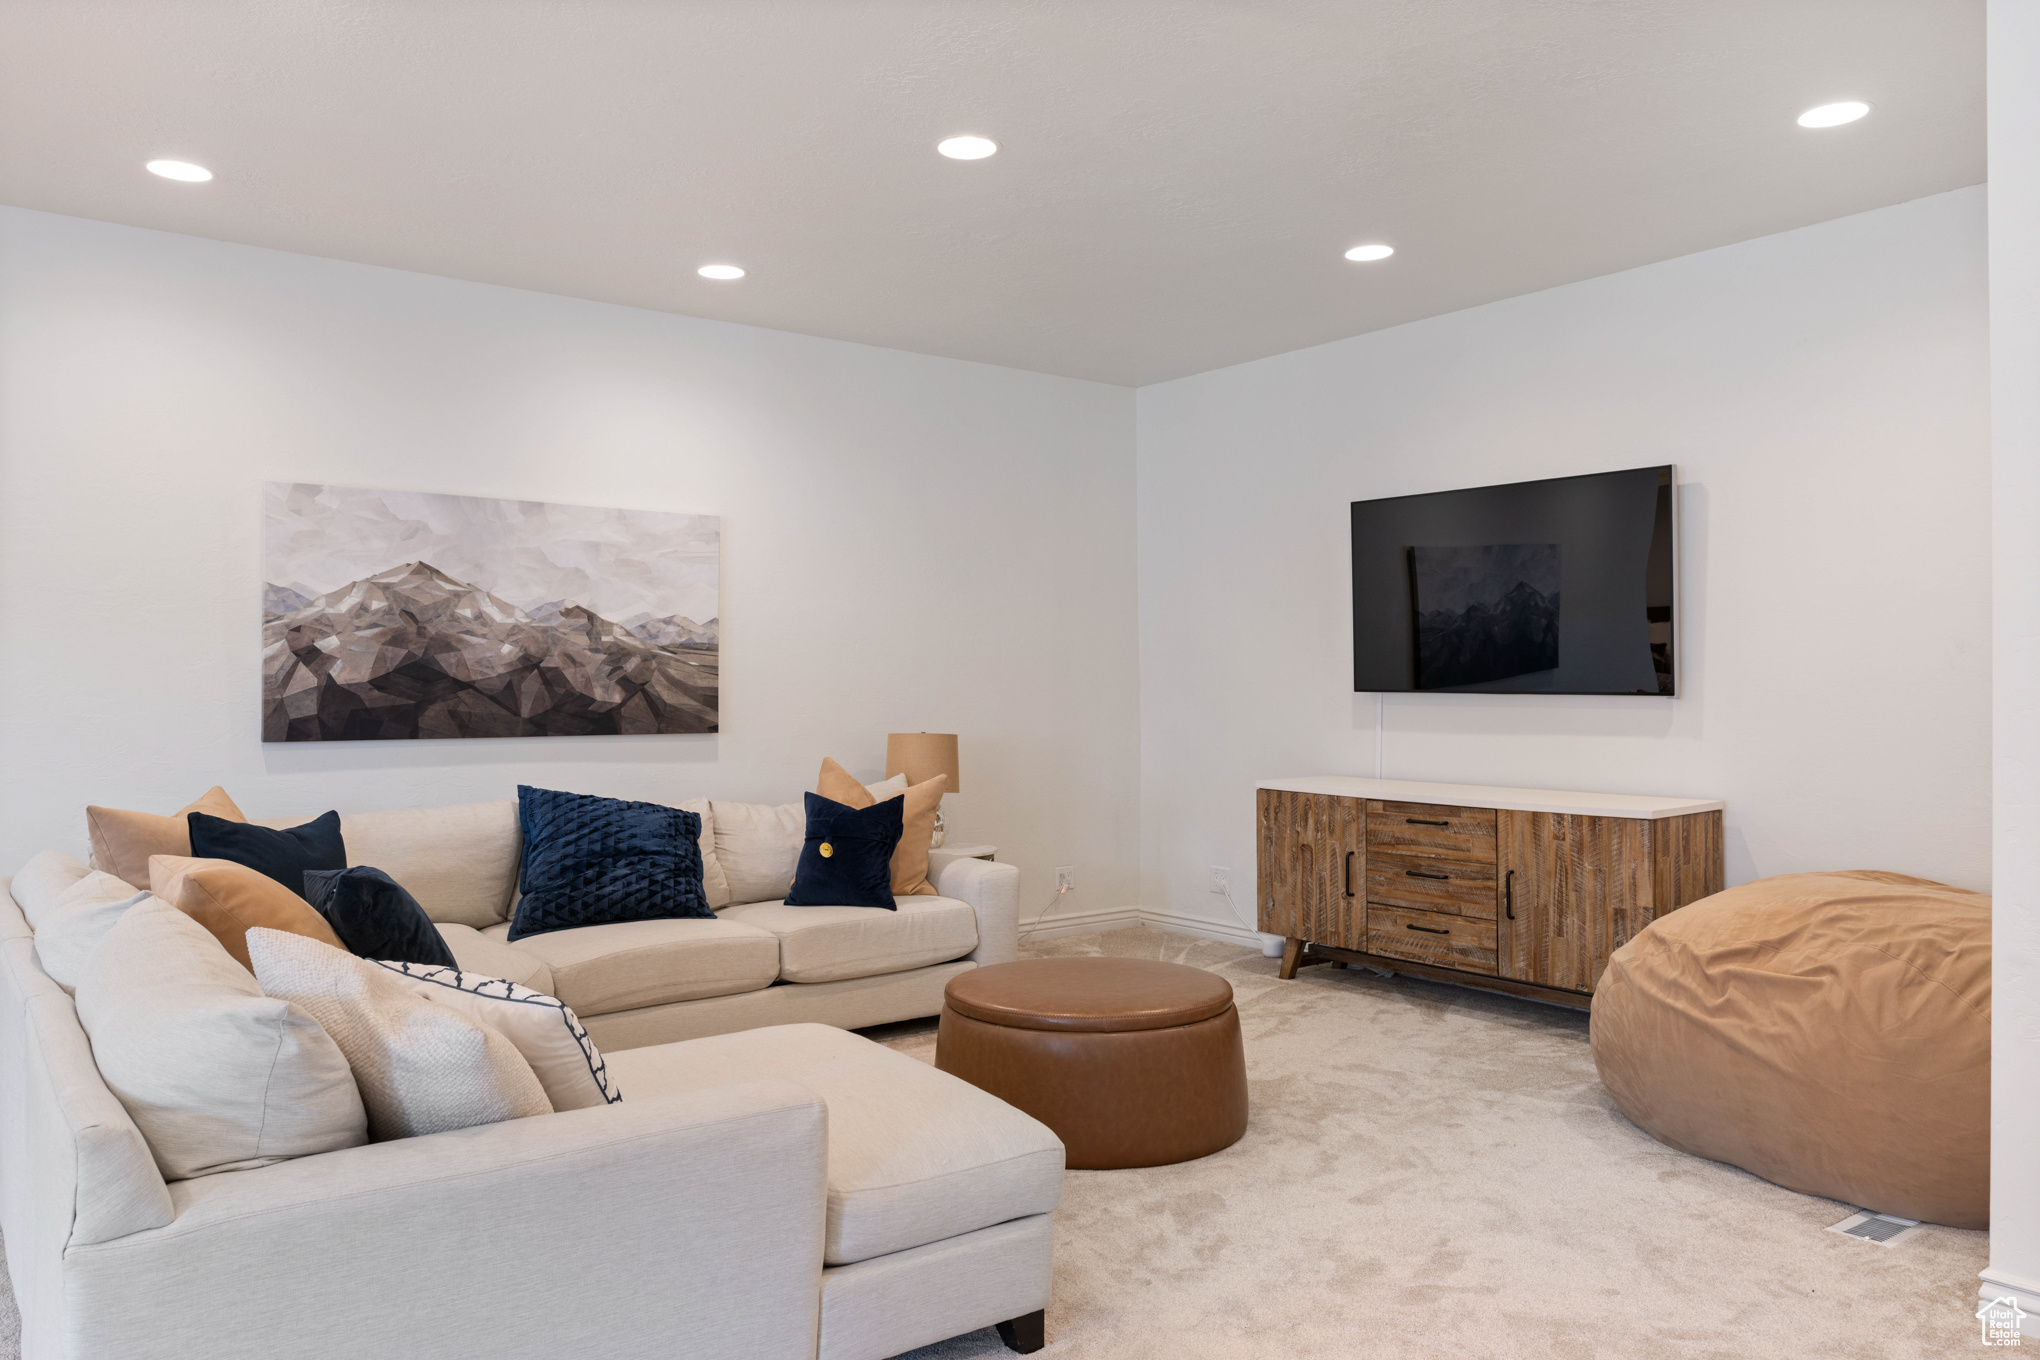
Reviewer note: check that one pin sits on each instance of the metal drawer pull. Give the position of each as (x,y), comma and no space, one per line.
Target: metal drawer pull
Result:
(1428,930)
(1419,821)
(1349,873)
(1509,893)
(1419,873)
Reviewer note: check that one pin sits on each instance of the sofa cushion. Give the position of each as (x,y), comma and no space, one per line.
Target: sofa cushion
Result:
(460,861)
(73,926)
(757,845)
(227,898)
(714,884)
(216,1075)
(474,952)
(422,1067)
(599,969)
(43,880)
(122,841)
(915,1155)
(828,944)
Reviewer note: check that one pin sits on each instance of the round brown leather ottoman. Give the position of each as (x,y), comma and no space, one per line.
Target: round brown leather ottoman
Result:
(1130,1061)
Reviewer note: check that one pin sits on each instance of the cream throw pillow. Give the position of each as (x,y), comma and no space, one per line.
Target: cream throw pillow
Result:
(217,1076)
(72,927)
(422,1067)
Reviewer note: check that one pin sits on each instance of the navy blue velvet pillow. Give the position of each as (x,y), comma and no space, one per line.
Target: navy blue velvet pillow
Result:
(375,918)
(282,855)
(847,861)
(591,861)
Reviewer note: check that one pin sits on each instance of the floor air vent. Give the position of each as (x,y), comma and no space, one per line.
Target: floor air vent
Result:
(1882,1229)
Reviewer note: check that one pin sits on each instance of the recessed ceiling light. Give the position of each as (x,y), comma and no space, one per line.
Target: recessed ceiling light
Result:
(180,170)
(1363,254)
(1834,115)
(967,148)
(720,271)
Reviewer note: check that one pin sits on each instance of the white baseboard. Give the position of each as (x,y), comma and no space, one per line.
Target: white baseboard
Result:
(1232,932)
(1997,1285)
(1057,923)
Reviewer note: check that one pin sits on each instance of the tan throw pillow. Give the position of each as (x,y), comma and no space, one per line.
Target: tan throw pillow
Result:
(217,1076)
(227,898)
(917,820)
(123,841)
(422,1067)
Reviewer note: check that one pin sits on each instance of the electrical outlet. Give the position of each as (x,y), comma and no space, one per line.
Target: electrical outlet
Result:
(1221,880)
(1065,878)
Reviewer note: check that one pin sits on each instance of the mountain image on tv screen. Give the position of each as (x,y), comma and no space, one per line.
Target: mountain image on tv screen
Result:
(1484,613)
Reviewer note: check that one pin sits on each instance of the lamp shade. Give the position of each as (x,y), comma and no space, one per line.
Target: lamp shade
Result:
(920,756)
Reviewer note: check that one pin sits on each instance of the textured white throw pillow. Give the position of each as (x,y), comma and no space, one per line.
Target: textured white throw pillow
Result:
(217,1076)
(72,926)
(758,845)
(422,1067)
(43,880)
(544,1028)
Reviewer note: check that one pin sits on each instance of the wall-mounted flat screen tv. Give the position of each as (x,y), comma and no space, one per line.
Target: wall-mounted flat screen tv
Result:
(1564,586)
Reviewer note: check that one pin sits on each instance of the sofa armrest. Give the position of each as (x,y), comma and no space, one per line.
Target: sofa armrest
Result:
(993,891)
(675,1225)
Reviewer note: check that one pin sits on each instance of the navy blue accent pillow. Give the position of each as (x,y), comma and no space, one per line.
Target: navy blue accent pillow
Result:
(847,861)
(375,918)
(282,855)
(591,861)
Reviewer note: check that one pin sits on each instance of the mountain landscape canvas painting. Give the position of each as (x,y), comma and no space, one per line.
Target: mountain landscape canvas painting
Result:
(1484,613)
(392,615)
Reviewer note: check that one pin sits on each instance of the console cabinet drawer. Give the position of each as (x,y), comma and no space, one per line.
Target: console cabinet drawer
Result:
(1463,887)
(1432,937)
(1429,829)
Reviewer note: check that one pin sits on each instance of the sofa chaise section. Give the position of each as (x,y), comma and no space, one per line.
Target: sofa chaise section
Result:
(781,1193)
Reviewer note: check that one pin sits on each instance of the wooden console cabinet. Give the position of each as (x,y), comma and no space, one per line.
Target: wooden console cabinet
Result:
(1526,891)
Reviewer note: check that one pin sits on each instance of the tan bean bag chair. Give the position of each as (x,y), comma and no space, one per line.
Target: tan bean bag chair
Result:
(1829,1032)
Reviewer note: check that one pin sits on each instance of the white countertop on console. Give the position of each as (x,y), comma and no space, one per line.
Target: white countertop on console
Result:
(1489,796)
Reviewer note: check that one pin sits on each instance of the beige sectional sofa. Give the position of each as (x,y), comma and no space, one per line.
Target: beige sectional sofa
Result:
(759,962)
(765,1189)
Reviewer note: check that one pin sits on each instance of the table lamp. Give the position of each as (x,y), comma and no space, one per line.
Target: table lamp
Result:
(920,756)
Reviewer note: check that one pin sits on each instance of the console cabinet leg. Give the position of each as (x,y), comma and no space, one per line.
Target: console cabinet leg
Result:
(1026,1334)
(1292,954)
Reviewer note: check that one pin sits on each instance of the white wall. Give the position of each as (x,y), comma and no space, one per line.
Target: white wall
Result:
(2014,85)
(909,542)
(1824,394)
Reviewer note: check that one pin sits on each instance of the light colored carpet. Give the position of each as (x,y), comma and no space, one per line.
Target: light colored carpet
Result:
(1431,1171)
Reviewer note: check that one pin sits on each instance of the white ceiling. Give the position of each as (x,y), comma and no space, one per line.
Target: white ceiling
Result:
(1177,182)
